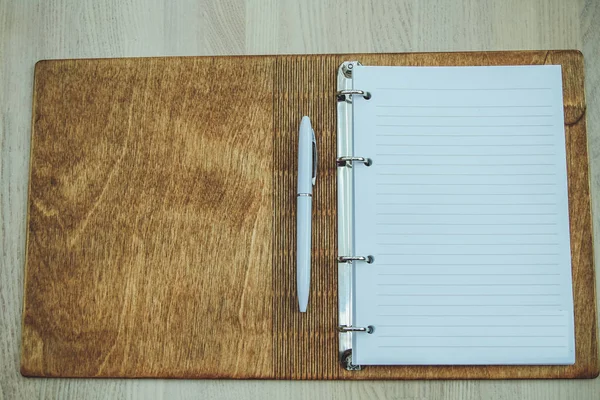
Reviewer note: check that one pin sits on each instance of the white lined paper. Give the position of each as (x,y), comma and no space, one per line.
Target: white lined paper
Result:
(465,211)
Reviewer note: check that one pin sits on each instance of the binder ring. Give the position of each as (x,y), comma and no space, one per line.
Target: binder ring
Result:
(346,161)
(346,328)
(346,359)
(346,95)
(349,259)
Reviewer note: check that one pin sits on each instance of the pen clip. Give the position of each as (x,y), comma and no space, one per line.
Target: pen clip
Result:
(314,158)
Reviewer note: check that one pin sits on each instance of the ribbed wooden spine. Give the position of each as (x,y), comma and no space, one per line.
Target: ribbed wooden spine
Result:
(305,344)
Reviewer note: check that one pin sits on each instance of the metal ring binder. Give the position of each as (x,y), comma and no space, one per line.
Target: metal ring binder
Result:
(346,161)
(346,360)
(350,259)
(346,95)
(345,328)
(345,149)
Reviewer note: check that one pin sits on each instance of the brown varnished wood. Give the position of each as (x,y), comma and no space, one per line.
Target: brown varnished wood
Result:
(125,158)
(150,219)
(306,344)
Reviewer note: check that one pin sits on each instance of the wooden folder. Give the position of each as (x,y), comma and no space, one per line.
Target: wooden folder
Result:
(161,224)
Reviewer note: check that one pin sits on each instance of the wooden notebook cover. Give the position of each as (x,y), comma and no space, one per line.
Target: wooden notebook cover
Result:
(161,224)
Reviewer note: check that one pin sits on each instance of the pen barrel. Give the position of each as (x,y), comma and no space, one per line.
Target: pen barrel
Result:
(305,157)
(303,249)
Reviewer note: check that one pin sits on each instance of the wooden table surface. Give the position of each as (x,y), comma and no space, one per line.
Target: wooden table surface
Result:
(31,30)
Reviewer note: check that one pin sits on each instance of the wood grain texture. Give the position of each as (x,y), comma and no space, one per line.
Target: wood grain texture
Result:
(149,243)
(34,30)
(162,219)
(306,344)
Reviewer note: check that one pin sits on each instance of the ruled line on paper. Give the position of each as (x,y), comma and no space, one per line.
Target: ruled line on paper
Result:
(474,315)
(461,106)
(466,244)
(465,126)
(472,346)
(465,194)
(468,224)
(467,254)
(468,165)
(462,116)
(468,284)
(472,326)
(464,89)
(479,305)
(465,145)
(468,204)
(469,274)
(469,295)
(463,155)
(463,214)
(475,336)
(465,174)
(471,264)
(462,184)
(461,135)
